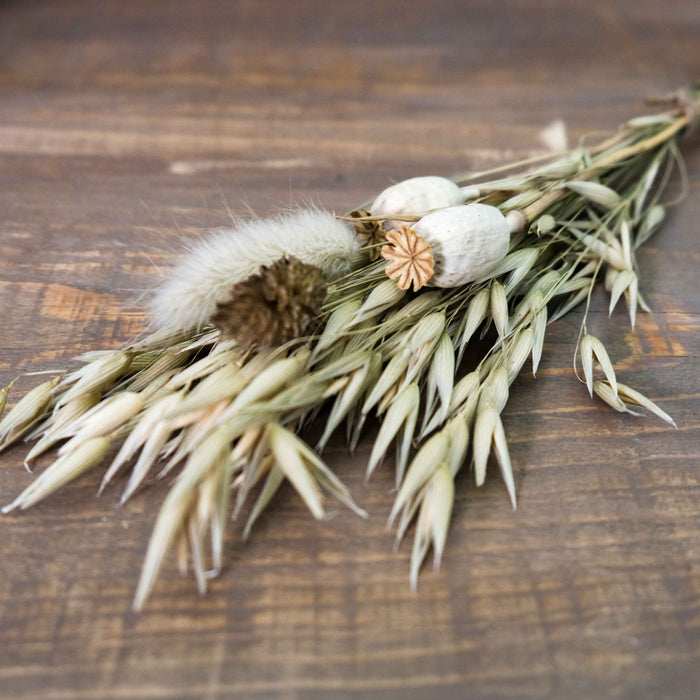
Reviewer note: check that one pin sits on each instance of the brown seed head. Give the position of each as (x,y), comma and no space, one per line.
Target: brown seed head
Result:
(277,304)
(369,232)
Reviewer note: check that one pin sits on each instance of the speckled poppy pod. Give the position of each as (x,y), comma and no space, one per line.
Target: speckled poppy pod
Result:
(415,197)
(466,241)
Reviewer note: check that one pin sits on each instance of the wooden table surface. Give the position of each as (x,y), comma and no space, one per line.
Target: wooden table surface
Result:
(126,128)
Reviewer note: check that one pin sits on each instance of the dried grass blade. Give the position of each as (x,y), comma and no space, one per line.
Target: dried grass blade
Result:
(63,470)
(518,352)
(473,317)
(213,362)
(388,379)
(499,308)
(56,427)
(650,224)
(274,480)
(429,457)
(177,508)
(622,281)
(405,405)
(348,397)
(381,298)
(626,240)
(484,426)
(140,434)
(439,500)
(586,352)
(647,182)
(502,454)
(539,327)
(157,439)
(627,393)
(601,354)
(611,397)
(632,295)
(467,386)
(421,544)
(28,407)
(571,303)
(287,457)
(3,395)
(407,515)
(595,192)
(328,480)
(403,448)
(28,410)
(110,415)
(336,325)
(433,521)
(443,371)
(98,375)
(276,376)
(169,360)
(458,432)
(495,389)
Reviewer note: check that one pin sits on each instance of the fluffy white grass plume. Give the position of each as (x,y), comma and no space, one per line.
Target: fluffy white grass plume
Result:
(204,276)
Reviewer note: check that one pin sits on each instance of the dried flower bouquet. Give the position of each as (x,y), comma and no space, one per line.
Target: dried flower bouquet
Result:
(261,326)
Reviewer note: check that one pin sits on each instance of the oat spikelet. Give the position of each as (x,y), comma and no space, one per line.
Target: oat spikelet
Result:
(279,303)
(410,258)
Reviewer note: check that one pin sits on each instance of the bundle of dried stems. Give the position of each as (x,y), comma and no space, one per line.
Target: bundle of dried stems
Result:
(228,413)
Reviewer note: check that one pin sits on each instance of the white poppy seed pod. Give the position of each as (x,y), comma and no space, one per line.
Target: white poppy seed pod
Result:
(417,196)
(466,241)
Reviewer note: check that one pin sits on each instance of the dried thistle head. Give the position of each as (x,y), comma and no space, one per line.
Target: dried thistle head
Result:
(410,258)
(371,233)
(277,304)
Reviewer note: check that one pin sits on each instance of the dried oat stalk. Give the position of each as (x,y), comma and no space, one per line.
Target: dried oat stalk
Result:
(227,418)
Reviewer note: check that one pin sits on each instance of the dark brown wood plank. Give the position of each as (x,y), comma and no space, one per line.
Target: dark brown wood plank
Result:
(128,127)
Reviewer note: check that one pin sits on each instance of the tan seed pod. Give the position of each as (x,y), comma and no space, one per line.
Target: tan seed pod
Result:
(410,259)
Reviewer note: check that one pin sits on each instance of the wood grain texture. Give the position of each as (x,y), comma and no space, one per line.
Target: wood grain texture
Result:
(125,128)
